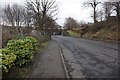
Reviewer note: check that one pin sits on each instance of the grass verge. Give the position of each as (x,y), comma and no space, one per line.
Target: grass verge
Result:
(73,34)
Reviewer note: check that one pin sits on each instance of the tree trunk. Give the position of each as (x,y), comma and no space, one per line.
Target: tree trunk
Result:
(118,11)
(94,15)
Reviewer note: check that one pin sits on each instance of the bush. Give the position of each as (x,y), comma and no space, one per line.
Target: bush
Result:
(8,58)
(0,58)
(17,52)
(23,49)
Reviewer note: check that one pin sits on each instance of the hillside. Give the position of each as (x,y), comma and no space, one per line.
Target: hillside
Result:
(105,30)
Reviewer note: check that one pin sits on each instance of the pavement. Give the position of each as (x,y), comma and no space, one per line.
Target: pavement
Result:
(50,65)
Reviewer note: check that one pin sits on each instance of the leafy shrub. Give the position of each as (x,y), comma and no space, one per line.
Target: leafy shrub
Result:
(18,52)
(7,59)
(0,58)
(23,49)
(33,41)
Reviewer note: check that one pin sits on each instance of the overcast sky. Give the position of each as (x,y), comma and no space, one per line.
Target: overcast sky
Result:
(73,8)
(67,8)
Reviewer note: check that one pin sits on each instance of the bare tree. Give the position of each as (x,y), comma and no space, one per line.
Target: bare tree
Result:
(18,12)
(0,15)
(117,9)
(93,4)
(9,14)
(33,6)
(14,15)
(70,23)
(3,18)
(51,23)
(28,21)
(100,15)
(108,8)
(42,9)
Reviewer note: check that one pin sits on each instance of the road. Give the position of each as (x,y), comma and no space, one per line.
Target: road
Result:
(97,59)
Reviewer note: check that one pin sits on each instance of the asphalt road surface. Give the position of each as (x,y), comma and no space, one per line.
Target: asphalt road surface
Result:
(97,59)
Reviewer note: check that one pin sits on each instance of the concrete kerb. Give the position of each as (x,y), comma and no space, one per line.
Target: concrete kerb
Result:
(76,72)
(64,65)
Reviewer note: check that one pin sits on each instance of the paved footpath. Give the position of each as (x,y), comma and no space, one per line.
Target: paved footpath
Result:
(50,64)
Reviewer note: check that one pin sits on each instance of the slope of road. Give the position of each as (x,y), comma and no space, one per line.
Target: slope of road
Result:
(97,59)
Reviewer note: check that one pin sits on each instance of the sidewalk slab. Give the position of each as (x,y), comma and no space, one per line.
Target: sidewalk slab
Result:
(50,65)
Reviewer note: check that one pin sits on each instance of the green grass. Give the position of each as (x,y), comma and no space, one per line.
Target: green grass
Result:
(73,34)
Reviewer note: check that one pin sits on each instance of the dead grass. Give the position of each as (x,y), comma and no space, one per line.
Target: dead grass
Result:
(73,34)
(110,33)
